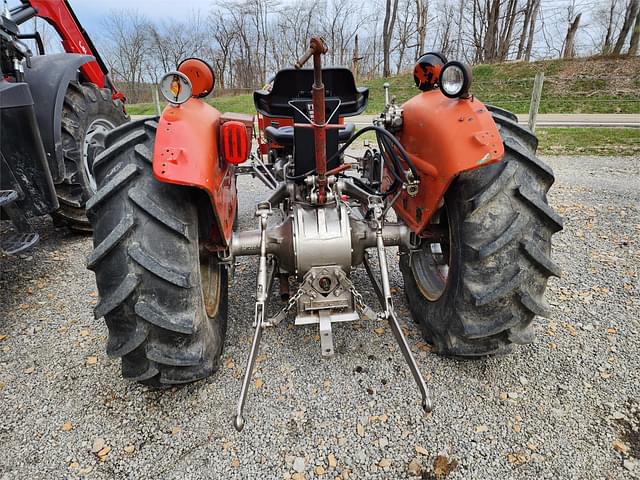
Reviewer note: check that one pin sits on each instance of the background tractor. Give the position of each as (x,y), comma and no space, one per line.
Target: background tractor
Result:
(454,184)
(53,109)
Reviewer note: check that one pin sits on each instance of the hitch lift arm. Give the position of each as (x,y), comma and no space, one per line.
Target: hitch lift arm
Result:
(265,279)
(384,295)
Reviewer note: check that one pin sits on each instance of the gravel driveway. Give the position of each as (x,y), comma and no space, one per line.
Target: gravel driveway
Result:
(566,406)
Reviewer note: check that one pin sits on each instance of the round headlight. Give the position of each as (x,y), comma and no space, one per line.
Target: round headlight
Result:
(455,80)
(176,88)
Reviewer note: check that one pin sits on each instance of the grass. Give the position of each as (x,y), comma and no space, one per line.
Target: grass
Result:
(592,85)
(141,109)
(228,103)
(569,86)
(589,141)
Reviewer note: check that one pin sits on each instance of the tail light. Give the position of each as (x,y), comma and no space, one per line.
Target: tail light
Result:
(235,142)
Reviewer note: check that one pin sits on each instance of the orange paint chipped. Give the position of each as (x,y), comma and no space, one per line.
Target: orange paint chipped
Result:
(186,153)
(443,137)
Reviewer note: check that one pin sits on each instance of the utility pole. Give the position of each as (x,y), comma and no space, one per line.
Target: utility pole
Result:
(355,60)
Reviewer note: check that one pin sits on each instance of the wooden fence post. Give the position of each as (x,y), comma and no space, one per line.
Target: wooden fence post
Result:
(536,95)
(156,99)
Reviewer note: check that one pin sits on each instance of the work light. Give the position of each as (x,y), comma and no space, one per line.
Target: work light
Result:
(455,80)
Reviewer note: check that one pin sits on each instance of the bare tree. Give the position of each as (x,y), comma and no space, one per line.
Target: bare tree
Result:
(343,21)
(128,52)
(373,52)
(224,39)
(444,37)
(528,12)
(506,30)
(172,41)
(532,30)
(492,25)
(569,41)
(390,15)
(404,32)
(491,35)
(460,28)
(635,36)
(296,23)
(422,19)
(247,40)
(629,19)
(608,39)
(477,22)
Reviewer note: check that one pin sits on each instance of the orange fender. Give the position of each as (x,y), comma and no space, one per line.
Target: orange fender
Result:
(443,138)
(186,153)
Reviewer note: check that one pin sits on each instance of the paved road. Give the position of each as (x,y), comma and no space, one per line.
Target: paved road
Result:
(584,120)
(560,120)
(547,120)
(563,407)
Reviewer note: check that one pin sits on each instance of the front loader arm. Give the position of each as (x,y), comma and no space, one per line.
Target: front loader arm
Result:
(443,137)
(75,39)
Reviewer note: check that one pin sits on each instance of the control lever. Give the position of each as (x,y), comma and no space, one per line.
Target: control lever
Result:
(316,47)
(387,103)
(304,59)
(262,294)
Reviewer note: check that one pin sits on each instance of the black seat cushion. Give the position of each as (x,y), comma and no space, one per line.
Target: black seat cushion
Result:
(284,135)
(280,135)
(290,84)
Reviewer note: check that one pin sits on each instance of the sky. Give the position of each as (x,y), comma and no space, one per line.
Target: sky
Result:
(90,12)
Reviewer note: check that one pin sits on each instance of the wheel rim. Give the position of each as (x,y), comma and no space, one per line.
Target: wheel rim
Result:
(96,132)
(431,264)
(210,282)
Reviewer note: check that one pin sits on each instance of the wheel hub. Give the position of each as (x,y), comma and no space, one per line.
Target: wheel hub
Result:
(96,132)
(431,264)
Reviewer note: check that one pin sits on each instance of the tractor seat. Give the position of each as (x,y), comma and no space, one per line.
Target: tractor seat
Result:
(284,135)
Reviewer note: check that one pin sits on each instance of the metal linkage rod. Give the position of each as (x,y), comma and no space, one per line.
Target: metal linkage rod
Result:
(262,294)
(263,172)
(384,294)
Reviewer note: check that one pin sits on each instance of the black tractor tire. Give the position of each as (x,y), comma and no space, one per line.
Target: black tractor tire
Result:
(497,249)
(88,114)
(163,300)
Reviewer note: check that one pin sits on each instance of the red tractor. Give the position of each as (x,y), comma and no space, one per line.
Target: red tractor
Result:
(53,109)
(471,222)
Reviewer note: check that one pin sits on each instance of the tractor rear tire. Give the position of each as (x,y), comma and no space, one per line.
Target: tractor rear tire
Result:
(477,292)
(164,300)
(88,114)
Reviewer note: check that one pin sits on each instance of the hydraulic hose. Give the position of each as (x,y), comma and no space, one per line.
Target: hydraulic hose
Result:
(385,133)
(389,146)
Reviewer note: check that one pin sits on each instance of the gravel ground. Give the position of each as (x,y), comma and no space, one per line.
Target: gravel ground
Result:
(564,407)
